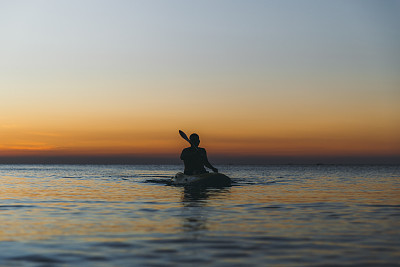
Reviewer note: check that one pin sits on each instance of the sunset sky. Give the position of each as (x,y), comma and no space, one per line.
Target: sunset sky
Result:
(255,79)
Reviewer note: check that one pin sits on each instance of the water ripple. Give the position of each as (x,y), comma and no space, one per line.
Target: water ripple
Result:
(80,215)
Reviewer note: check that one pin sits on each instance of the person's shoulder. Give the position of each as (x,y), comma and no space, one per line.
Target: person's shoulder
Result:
(202,149)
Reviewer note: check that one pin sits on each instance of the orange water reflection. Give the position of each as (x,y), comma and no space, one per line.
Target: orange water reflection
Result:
(80,207)
(40,209)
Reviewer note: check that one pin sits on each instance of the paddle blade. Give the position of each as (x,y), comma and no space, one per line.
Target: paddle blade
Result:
(184,136)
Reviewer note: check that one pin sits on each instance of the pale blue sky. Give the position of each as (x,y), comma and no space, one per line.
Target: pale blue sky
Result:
(202,37)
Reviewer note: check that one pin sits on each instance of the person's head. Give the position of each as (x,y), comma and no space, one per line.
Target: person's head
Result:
(194,139)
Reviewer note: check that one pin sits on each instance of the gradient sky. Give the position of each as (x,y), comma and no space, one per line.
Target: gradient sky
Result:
(259,78)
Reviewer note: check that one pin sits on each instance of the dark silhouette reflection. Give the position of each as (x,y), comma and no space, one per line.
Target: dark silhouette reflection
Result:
(195,211)
(194,194)
(195,157)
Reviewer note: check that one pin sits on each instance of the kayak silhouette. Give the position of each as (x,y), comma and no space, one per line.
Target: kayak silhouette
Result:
(204,179)
(195,160)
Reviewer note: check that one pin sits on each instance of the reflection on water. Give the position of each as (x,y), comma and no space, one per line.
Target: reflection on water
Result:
(194,213)
(131,215)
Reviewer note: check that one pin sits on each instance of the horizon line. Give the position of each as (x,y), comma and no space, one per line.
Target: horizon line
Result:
(170,159)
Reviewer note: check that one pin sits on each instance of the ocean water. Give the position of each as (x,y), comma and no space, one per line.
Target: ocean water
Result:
(289,215)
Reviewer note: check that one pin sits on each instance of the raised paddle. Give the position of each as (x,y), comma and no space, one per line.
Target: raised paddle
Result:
(184,136)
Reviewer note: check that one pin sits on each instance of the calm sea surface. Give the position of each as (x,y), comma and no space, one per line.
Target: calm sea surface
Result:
(81,215)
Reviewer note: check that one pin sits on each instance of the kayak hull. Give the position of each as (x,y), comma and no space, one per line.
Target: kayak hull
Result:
(204,179)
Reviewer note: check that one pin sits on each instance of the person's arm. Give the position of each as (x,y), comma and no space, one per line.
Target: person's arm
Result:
(207,163)
(183,155)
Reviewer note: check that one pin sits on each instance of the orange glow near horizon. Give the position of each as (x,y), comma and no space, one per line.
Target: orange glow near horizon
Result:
(240,140)
(254,129)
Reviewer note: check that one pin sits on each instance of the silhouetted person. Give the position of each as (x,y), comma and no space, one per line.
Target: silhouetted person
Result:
(195,157)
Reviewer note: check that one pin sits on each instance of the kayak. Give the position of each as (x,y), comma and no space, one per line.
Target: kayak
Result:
(204,179)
